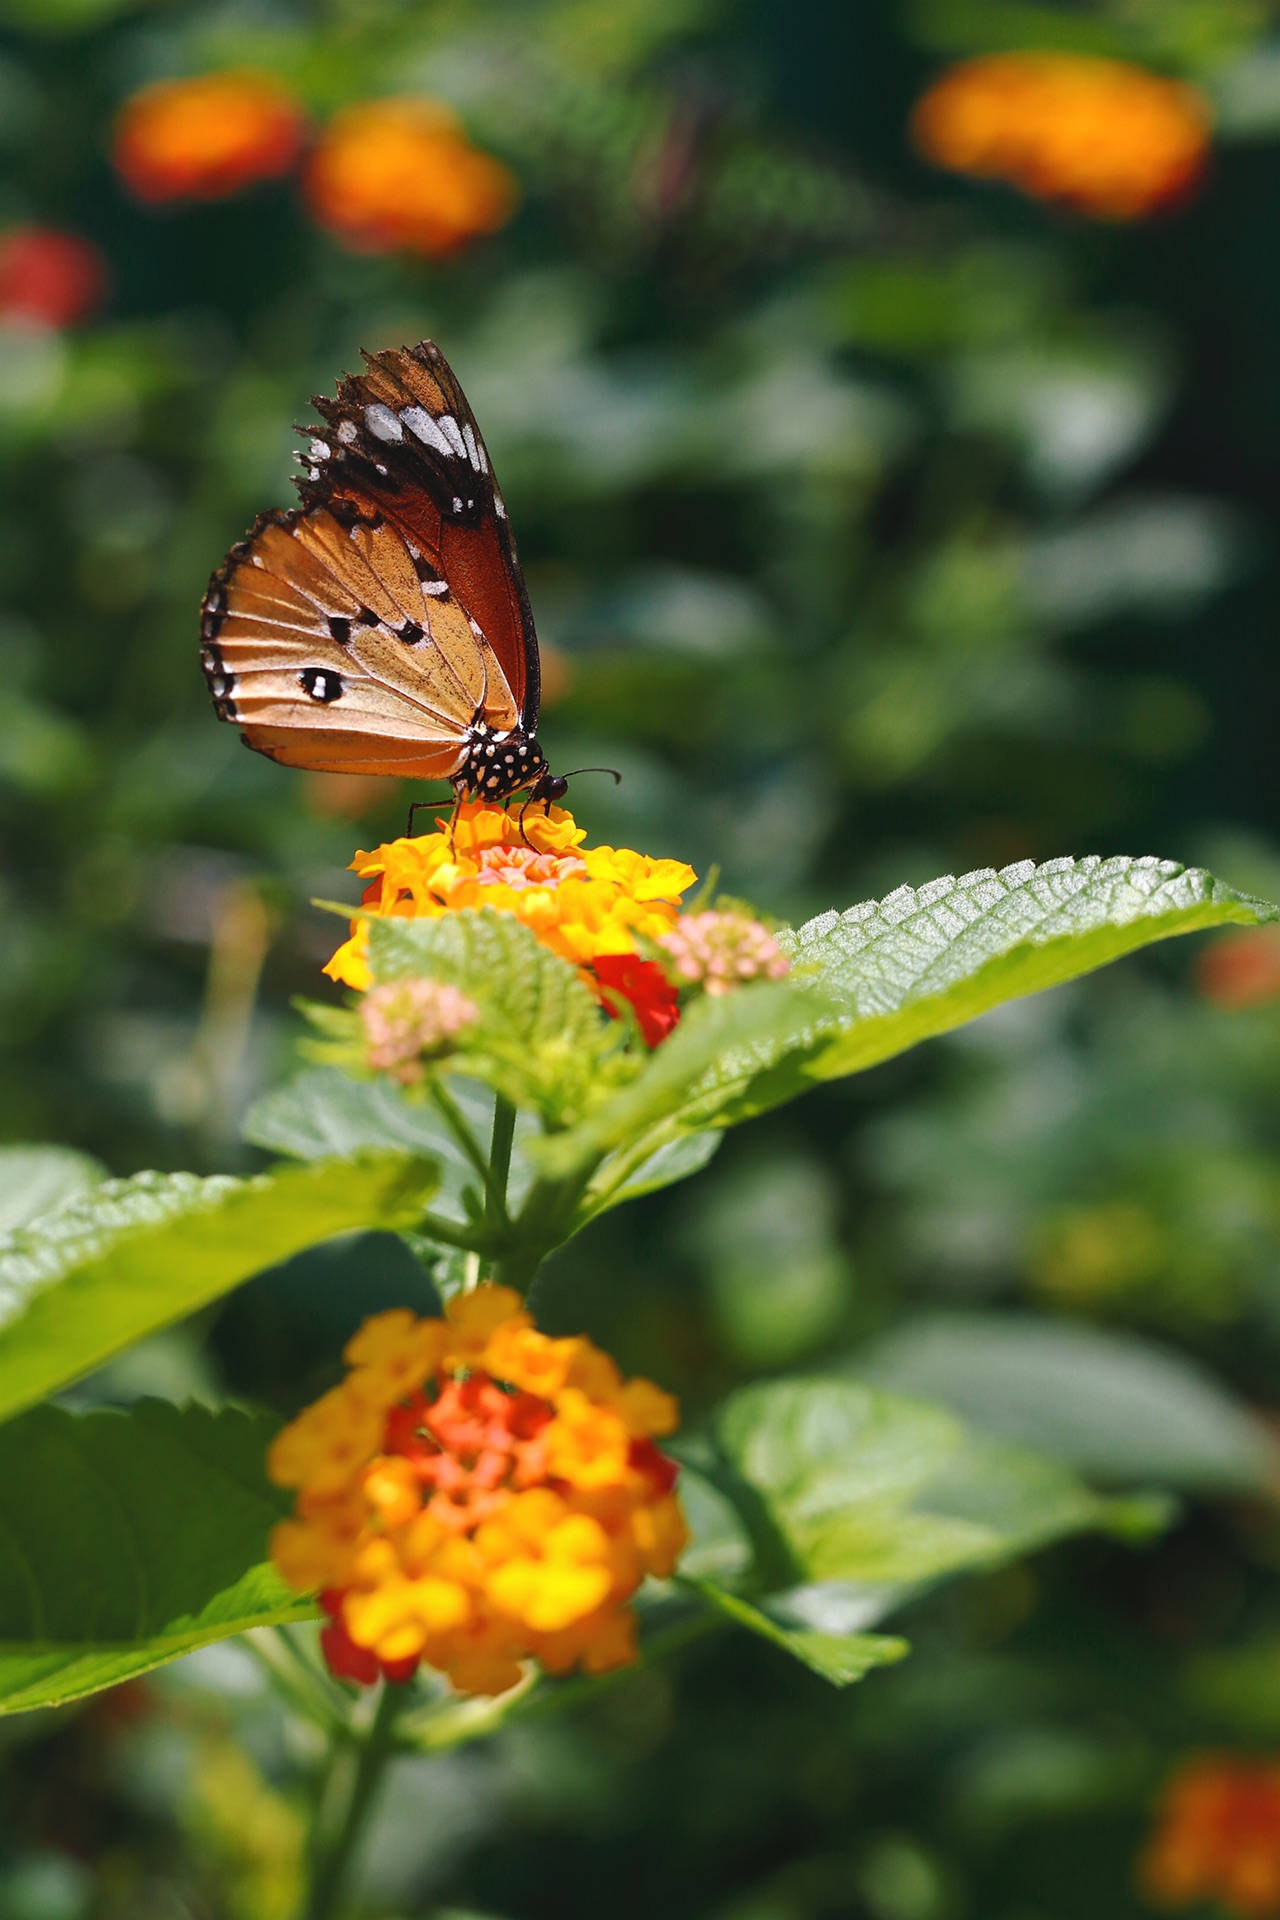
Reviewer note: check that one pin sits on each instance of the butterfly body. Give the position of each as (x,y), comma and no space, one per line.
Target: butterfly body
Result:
(384,625)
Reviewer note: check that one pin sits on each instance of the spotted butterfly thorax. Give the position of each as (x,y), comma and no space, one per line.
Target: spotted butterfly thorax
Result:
(384,626)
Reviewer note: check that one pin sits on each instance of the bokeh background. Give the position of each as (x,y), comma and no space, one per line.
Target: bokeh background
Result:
(881,521)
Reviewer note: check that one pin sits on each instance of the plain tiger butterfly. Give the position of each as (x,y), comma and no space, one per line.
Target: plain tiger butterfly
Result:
(384,626)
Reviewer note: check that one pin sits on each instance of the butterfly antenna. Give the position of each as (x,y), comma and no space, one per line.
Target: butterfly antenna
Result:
(617,777)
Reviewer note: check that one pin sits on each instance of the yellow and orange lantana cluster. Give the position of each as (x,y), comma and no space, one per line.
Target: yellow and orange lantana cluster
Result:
(1218,1838)
(207,137)
(1108,139)
(588,904)
(476,1494)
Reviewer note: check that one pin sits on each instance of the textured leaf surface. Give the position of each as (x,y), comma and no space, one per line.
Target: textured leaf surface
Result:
(1111,1404)
(926,959)
(497,960)
(840,1658)
(880,978)
(128,1538)
(884,1495)
(36,1180)
(136,1255)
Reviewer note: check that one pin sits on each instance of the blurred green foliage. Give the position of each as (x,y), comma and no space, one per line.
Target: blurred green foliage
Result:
(879,525)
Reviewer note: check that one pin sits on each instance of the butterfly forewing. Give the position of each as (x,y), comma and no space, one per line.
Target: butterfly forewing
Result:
(384,624)
(403,437)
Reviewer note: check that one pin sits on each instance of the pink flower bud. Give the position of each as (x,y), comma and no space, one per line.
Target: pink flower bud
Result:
(407,1019)
(720,951)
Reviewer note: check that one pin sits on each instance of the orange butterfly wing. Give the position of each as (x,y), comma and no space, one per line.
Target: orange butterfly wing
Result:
(357,634)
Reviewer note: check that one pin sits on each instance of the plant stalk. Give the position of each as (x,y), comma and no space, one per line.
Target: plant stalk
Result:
(352,1782)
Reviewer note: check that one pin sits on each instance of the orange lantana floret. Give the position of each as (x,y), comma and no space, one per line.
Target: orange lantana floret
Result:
(1109,139)
(476,1495)
(206,138)
(391,175)
(1218,1837)
(582,902)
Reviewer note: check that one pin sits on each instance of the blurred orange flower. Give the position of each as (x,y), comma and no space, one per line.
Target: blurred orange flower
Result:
(1109,139)
(1218,1837)
(401,174)
(1241,969)
(53,279)
(206,138)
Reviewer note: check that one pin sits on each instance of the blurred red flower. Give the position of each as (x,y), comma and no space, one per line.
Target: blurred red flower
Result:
(1218,1837)
(207,138)
(54,279)
(391,175)
(1242,969)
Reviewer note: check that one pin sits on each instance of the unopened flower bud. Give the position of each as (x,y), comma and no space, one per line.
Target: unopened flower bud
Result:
(406,1020)
(720,951)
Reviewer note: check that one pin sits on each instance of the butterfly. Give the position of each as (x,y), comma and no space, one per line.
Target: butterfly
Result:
(384,626)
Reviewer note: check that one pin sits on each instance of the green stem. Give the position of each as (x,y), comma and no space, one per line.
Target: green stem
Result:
(504,1133)
(455,1120)
(353,1780)
(448,1232)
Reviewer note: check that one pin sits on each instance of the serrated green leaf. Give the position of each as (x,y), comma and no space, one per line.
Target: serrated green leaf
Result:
(37,1180)
(885,1495)
(927,959)
(497,959)
(886,975)
(136,1255)
(541,1040)
(840,1658)
(127,1539)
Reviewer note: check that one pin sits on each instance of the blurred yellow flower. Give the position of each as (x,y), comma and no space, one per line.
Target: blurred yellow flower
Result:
(401,174)
(475,1495)
(1106,138)
(206,138)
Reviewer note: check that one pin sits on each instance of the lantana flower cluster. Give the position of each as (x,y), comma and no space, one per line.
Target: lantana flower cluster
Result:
(476,1494)
(1109,139)
(612,912)
(1218,1838)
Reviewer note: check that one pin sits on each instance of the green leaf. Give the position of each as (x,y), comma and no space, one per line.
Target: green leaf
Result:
(542,1039)
(324,1111)
(884,976)
(840,1658)
(1111,1404)
(36,1180)
(688,1083)
(128,1538)
(884,1495)
(927,959)
(138,1254)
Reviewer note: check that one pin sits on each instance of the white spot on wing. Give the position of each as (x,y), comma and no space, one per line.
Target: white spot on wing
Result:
(382,423)
(453,434)
(346,431)
(319,450)
(499,505)
(435,587)
(473,452)
(419,422)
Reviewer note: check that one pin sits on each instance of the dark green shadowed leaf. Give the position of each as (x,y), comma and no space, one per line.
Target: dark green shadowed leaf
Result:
(136,1255)
(127,1539)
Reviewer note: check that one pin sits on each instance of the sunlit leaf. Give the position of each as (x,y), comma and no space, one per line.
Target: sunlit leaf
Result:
(36,1180)
(136,1255)
(840,1658)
